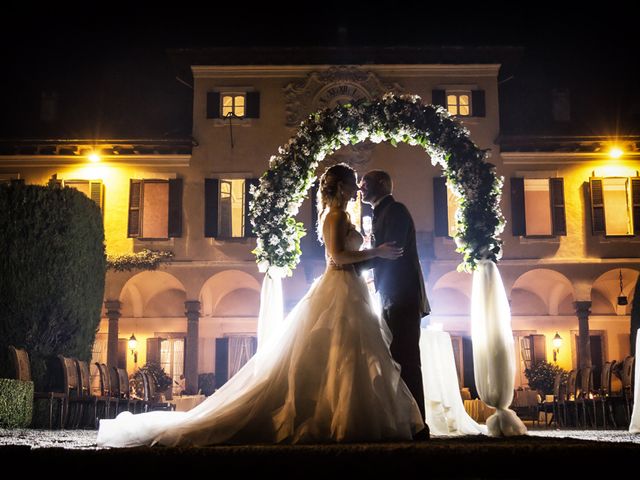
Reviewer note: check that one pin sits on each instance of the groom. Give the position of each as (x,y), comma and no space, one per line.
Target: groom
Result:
(399,282)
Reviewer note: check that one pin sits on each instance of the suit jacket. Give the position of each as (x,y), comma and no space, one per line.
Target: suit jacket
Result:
(398,280)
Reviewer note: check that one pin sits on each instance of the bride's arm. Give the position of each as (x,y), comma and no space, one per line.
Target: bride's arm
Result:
(336,227)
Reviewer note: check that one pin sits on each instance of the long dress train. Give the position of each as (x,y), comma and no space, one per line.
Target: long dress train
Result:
(325,376)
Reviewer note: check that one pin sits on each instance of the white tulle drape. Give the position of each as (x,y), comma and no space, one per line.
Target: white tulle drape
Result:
(634,426)
(493,354)
(271,305)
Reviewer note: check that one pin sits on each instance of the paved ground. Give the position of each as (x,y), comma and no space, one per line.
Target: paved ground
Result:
(86,439)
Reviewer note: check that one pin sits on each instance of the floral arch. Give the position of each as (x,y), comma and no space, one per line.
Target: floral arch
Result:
(283,187)
(479,222)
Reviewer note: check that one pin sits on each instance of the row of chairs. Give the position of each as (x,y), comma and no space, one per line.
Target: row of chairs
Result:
(70,381)
(577,403)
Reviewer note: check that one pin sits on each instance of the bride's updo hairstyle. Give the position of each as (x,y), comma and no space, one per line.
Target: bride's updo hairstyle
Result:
(330,190)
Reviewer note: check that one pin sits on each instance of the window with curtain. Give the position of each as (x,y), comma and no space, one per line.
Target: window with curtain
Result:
(241,349)
(172,360)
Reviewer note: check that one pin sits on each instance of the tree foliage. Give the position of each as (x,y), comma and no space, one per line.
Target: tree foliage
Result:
(52,273)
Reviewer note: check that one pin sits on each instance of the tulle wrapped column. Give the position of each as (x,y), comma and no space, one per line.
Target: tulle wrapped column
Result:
(271,305)
(493,354)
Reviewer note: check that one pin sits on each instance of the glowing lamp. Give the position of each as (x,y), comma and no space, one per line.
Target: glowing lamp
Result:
(615,152)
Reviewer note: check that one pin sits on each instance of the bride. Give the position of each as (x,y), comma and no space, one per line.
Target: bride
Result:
(326,376)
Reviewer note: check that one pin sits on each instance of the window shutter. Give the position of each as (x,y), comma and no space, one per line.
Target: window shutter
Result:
(253,105)
(539,348)
(558,217)
(248,228)
(477,103)
(518,224)
(211,187)
(153,350)
(213,104)
(122,353)
(635,202)
(439,97)
(96,192)
(597,205)
(135,191)
(441,226)
(222,361)
(175,207)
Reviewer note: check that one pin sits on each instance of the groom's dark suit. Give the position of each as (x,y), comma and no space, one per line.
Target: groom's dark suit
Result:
(401,288)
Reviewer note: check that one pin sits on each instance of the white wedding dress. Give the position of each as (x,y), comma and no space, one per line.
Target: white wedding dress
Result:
(325,376)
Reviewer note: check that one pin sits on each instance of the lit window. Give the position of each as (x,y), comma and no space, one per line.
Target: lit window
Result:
(172,360)
(93,189)
(453,204)
(233,105)
(459,103)
(155,209)
(231,213)
(537,206)
(613,201)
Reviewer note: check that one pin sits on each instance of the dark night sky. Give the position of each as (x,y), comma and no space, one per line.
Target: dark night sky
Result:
(53,47)
(538,27)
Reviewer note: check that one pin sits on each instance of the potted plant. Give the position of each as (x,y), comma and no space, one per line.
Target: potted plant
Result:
(541,376)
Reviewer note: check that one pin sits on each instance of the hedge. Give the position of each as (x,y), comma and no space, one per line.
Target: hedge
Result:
(52,274)
(16,403)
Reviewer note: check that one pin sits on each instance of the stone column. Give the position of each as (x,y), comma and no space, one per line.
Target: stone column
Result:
(583,309)
(192,308)
(113,314)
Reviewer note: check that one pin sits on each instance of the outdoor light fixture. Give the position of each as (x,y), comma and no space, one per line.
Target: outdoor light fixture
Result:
(133,346)
(622,298)
(93,157)
(557,343)
(616,152)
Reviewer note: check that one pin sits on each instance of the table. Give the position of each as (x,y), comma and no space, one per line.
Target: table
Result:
(445,412)
(185,403)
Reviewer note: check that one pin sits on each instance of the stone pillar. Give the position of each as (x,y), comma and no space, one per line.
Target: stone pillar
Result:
(583,309)
(192,308)
(113,314)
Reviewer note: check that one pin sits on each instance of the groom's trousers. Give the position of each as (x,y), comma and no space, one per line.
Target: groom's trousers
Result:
(403,317)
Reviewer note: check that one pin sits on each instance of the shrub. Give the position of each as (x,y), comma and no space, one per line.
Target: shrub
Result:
(161,380)
(52,274)
(16,403)
(542,375)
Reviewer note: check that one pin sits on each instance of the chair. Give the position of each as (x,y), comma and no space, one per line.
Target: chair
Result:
(552,406)
(105,389)
(90,400)
(584,386)
(149,394)
(22,369)
(604,397)
(627,385)
(526,405)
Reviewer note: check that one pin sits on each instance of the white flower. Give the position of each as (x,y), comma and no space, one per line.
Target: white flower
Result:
(292,209)
(274,240)
(263,266)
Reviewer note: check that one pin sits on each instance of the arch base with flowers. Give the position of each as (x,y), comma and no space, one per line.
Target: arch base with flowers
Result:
(479,222)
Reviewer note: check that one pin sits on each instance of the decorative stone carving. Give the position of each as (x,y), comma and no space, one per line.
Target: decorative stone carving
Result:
(339,84)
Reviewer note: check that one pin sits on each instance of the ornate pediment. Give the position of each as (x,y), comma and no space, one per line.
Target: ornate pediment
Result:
(337,85)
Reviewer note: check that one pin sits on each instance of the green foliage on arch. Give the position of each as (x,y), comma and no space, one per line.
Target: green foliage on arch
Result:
(283,187)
